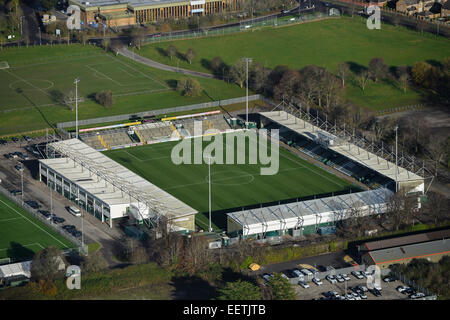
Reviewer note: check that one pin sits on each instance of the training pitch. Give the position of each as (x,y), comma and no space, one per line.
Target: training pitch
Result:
(21,235)
(233,185)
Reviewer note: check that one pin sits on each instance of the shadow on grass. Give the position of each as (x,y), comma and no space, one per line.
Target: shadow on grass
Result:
(18,252)
(192,288)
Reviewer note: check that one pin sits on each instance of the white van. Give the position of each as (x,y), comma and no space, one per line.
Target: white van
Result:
(75,211)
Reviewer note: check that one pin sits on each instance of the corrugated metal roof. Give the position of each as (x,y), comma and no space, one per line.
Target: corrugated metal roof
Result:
(418,250)
(406,240)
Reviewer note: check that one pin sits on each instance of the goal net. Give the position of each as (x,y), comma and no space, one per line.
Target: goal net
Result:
(4,65)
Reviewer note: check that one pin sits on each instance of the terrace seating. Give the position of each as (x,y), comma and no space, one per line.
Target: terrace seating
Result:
(92,141)
(155,130)
(114,138)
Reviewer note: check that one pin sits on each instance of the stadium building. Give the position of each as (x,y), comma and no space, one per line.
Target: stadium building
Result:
(118,13)
(108,190)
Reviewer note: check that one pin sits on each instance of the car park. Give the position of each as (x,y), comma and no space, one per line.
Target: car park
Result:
(317,281)
(303,284)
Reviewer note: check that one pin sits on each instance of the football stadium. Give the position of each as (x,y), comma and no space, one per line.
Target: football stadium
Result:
(324,173)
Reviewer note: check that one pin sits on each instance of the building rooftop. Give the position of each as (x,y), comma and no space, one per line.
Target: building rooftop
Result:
(347,149)
(279,214)
(418,250)
(108,180)
(406,240)
(133,3)
(16,269)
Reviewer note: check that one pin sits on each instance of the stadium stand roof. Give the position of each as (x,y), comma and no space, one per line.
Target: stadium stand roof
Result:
(108,180)
(296,214)
(16,269)
(418,250)
(347,149)
(406,240)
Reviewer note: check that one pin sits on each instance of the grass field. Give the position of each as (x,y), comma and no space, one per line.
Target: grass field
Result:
(37,76)
(325,43)
(232,185)
(21,235)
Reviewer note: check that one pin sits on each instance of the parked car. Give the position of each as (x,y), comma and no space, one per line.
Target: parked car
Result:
(375,292)
(57,219)
(27,138)
(313,271)
(15,139)
(266,276)
(331,279)
(46,214)
(303,284)
(33,204)
(16,192)
(345,277)
(401,289)
(339,278)
(297,272)
(363,288)
(306,272)
(19,167)
(417,295)
(76,233)
(68,227)
(7,155)
(3,141)
(389,279)
(284,276)
(317,281)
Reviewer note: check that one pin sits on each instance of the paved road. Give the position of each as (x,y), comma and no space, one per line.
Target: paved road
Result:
(134,56)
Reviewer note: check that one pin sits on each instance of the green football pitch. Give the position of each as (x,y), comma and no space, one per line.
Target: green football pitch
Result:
(32,88)
(233,185)
(22,235)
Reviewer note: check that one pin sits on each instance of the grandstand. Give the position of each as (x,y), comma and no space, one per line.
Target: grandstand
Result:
(305,217)
(108,190)
(344,153)
(173,128)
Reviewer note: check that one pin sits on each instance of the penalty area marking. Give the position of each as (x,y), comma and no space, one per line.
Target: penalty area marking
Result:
(27,245)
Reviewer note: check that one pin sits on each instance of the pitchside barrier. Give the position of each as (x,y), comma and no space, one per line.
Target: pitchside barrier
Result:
(35,214)
(123,117)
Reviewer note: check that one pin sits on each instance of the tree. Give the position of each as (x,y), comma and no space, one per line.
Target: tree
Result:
(378,68)
(258,77)
(105,98)
(281,288)
(47,264)
(437,147)
(190,55)
(343,71)
(196,256)
(238,72)
(420,72)
(48,4)
(403,77)
(437,207)
(137,37)
(105,44)
(94,263)
(288,86)
(362,78)
(189,87)
(171,51)
(240,290)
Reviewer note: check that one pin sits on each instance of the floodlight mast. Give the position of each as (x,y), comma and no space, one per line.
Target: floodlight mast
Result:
(247,60)
(396,159)
(76,106)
